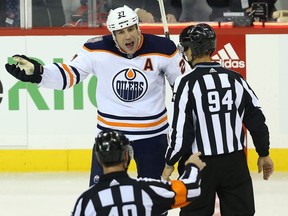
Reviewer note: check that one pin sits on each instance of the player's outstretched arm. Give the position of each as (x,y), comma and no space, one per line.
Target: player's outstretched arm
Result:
(25,69)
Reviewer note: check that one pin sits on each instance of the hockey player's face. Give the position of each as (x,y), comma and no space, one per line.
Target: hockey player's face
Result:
(127,39)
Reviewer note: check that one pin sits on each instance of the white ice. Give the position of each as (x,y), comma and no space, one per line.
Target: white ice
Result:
(46,194)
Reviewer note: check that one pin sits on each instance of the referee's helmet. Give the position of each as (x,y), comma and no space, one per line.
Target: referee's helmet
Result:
(111,146)
(120,18)
(200,38)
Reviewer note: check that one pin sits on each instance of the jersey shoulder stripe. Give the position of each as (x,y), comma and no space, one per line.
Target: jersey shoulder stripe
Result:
(70,75)
(76,73)
(63,75)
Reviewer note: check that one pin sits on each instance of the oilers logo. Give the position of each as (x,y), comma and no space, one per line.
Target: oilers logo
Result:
(130,85)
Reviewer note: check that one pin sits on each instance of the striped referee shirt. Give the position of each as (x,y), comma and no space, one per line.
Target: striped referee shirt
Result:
(119,195)
(211,106)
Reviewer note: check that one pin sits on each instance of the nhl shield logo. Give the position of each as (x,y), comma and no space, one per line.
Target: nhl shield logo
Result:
(130,85)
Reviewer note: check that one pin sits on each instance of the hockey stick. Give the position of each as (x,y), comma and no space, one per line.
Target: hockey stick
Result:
(164,19)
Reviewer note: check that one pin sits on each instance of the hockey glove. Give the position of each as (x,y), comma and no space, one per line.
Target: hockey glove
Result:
(25,69)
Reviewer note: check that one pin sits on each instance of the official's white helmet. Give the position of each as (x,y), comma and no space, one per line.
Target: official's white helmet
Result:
(120,18)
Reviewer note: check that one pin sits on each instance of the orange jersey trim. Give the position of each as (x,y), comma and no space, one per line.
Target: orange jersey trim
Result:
(100,50)
(139,125)
(139,47)
(160,54)
(147,54)
(69,73)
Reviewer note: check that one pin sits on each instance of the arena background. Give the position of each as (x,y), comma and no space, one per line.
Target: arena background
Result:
(48,130)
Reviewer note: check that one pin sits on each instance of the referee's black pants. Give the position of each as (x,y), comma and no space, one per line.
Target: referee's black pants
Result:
(228,176)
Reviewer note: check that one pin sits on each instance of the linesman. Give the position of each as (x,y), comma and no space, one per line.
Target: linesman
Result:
(212,105)
(118,194)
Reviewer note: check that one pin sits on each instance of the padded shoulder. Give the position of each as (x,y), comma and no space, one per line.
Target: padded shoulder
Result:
(157,44)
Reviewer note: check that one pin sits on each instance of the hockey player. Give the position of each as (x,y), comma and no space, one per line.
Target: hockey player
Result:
(118,194)
(212,105)
(130,68)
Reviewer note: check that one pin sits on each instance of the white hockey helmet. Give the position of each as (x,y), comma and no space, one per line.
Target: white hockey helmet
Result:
(120,18)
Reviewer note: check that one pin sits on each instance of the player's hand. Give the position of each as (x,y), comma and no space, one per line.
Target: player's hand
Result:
(25,69)
(171,18)
(194,159)
(145,16)
(167,172)
(266,165)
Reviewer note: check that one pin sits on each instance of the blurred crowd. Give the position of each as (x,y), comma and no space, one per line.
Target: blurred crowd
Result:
(55,13)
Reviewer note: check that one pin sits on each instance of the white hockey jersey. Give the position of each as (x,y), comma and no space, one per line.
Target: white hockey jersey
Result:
(130,89)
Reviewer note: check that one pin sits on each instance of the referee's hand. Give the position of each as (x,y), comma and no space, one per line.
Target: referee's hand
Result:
(265,164)
(167,172)
(194,159)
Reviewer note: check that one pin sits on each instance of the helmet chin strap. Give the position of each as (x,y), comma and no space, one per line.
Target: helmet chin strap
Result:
(189,62)
(127,162)
(139,37)
(115,41)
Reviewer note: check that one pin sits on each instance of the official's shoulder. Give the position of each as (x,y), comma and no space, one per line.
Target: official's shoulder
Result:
(184,77)
(233,73)
(100,43)
(158,44)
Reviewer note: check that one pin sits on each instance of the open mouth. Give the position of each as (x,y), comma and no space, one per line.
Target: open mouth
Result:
(130,45)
